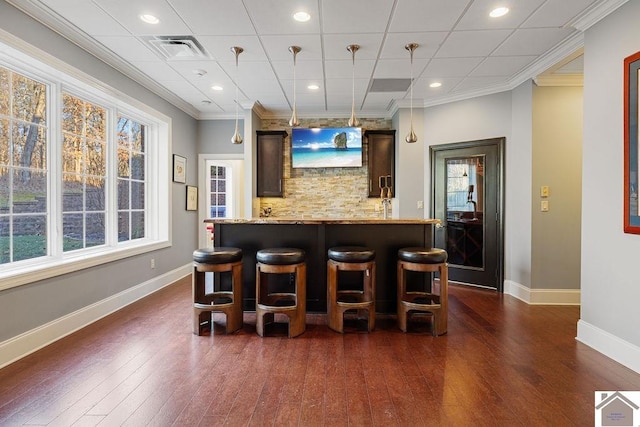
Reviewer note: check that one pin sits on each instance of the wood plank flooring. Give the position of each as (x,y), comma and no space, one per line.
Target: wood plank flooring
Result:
(502,363)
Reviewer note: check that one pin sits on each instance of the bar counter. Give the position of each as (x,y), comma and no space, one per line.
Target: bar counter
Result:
(316,236)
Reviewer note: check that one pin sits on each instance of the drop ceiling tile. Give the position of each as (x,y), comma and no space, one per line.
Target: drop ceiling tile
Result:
(556,13)
(277,47)
(276,16)
(303,69)
(355,16)
(88,17)
(421,87)
(461,44)
(429,43)
(335,45)
(212,17)
(128,48)
(505,66)
(344,69)
(450,67)
(398,68)
(532,41)
(127,13)
(219,47)
(426,15)
(477,16)
(158,70)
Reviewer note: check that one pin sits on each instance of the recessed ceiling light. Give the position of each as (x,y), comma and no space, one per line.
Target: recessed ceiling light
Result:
(498,12)
(301,16)
(149,19)
(216,87)
(313,87)
(435,84)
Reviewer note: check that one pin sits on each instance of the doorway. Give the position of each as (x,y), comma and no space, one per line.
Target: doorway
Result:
(468,198)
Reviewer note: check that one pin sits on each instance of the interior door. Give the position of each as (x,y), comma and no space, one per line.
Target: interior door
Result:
(468,199)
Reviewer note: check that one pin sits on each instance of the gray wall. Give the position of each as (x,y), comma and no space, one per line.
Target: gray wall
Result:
(214,136)
(557,163)
(609,316)
(29,306)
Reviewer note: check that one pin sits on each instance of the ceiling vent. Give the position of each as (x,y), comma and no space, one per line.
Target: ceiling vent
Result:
(177,47)
(390,85)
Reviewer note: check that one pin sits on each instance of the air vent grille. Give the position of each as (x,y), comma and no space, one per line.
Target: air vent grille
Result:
(177,47)
(390,85)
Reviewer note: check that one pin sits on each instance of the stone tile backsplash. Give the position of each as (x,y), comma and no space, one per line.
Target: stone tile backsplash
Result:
(324,192)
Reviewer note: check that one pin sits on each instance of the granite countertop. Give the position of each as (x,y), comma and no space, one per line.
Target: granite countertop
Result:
(290,220)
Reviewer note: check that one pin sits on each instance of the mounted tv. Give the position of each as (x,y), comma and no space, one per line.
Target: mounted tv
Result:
(326,147)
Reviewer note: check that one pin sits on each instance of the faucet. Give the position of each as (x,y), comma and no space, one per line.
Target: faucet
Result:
(475,211)
(386,205)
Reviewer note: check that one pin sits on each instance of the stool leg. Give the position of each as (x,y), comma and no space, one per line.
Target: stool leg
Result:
(401,312)
(201,318)
(441,324)
(335,316)
(298,323)
(370,295)
(234,315)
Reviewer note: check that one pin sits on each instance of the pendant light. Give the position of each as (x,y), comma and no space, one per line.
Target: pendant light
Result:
(353,121)
(411,137)
(293,122)
(237,138)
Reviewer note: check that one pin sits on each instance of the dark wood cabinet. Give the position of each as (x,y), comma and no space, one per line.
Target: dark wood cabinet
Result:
(270,152)
(381,159)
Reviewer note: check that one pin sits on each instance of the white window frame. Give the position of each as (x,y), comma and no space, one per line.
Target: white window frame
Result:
(25,59)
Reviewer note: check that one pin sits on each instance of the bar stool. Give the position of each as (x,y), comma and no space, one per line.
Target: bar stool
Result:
(426,261)
(351,258)
(217,260)
(280,299)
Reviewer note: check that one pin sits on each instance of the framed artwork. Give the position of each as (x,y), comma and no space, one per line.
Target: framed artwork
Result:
(179,169)
(631,143)
(192,198)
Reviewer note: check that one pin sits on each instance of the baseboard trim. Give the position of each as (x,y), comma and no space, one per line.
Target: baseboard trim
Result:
(28,342)
(621,351)
(542,296)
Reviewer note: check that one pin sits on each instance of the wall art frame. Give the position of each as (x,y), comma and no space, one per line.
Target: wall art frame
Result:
(179,169)
(192,198)
(631,143)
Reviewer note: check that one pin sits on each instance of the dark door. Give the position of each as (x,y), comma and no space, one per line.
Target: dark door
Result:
(467,179)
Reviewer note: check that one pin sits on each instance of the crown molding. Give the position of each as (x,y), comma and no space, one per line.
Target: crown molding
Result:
(53,21)
(593,15)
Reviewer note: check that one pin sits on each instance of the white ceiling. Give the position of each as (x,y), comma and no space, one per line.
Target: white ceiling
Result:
(460,46)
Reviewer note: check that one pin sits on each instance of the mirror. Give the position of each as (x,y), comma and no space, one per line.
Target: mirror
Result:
(464,211)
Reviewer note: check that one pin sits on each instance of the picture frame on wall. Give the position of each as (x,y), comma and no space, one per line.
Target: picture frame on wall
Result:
(631,143)
(192,198)
(179,169)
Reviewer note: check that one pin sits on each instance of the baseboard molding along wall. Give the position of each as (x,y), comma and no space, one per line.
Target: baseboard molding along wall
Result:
(610,345)
(542,296)
(26,343)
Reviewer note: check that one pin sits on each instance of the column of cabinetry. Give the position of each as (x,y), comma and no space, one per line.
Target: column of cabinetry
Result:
(381,158)
(270,152)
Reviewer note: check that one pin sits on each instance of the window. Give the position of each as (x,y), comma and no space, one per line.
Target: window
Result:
(219,179)
(83,175)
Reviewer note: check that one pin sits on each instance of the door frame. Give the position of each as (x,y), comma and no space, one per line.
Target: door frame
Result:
(499,143)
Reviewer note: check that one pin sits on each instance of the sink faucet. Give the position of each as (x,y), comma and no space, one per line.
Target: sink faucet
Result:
(386,205)
(475,212)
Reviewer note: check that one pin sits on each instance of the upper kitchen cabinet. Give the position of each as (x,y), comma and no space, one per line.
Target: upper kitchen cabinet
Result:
(270,153)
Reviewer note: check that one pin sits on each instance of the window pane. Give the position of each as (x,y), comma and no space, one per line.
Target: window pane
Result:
(4,91)
(123,194)
(96,158)
(124,170)
(137,225)
(72,189)
(95,200)
(29,191)
(72,231)
(95,229)
(123,226)
(29,100)
(5,190)
(29,237)
(29,145)
(137,166)
(5,242)
(4,141)
(137,195)
(96,119)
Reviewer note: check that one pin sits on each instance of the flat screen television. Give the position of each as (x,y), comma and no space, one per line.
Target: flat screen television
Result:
(326,147)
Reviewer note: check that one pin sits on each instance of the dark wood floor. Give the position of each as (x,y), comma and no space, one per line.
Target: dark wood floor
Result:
(502,363)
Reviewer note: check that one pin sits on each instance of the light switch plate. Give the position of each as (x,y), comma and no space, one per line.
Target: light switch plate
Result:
(544,191)
(544,206)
